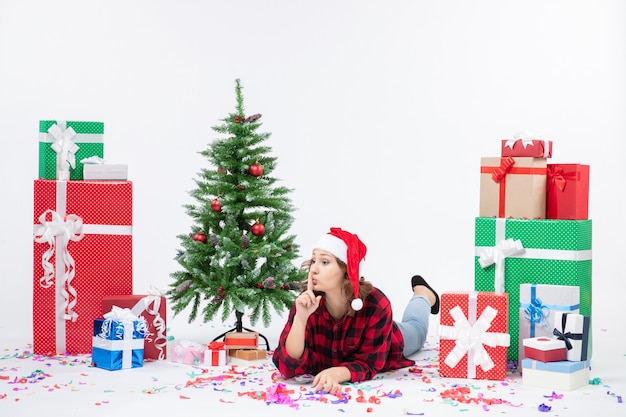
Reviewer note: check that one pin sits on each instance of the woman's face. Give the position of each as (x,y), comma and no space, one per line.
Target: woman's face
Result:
(325,272)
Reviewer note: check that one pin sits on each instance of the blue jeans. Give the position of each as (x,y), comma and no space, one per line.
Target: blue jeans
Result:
(414,324)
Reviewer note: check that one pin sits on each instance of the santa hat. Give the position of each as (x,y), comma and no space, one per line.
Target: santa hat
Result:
(349,249)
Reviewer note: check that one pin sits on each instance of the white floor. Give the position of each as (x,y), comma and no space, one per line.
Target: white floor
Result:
(69,386)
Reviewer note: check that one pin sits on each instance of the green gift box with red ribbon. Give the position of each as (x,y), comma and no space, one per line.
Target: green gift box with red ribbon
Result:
(567,195)
(63,144)
(513,187)
(511,252)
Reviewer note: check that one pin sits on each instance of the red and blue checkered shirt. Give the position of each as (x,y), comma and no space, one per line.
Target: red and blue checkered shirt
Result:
(367,343)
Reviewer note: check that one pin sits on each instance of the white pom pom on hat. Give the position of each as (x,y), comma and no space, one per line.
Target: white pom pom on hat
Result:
(348,248)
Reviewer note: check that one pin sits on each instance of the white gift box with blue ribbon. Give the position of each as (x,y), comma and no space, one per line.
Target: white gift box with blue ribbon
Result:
(118,340)
(539,304)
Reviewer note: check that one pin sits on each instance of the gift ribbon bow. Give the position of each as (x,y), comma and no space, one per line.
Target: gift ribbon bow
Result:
(524,138)
(496,255)
(505,166)
(566,336)
(64,146)
(558,177)
(470,339)
(57,233)
(216,346)
(536,312)
(151,304)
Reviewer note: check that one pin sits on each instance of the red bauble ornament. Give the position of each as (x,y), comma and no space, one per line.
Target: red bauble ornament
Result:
(215,205)
(241,187)
(256,169)
(259,285)
(200,237)
(258,229)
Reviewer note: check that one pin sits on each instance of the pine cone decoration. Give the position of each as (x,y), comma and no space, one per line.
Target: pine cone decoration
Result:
(184,286)
(213,240)
(219,297)
(253,118)
(245,242)
(294,286)
(269,283)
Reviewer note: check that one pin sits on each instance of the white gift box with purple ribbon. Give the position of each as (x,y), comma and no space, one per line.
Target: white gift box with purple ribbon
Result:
(539,304)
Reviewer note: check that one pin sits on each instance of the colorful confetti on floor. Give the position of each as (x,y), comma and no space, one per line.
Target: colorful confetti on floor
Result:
(33,383)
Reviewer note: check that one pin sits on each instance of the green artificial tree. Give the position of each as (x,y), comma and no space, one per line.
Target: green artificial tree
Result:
(239,255)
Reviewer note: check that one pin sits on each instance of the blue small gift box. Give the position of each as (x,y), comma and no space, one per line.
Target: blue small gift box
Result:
(118,344)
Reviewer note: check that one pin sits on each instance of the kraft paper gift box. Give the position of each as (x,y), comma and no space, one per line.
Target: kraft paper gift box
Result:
(511,252)
(534,148)
(118,341)
(573,330)
(556,376)
(105,171)
(538,307)
(215,355)
(544,349)
(567,192)
(152,308)
(513,187)
(473,336)
(82,252)
(241,340)
(248,354)
(63,144)
(187,352)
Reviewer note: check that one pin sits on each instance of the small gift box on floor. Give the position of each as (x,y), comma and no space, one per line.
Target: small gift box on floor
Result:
(241,340)
(473,338)
(560,375)
(544,349)
(152,309)
(248,354)
(187,352)
(118,340)
(573,329)
(215,355)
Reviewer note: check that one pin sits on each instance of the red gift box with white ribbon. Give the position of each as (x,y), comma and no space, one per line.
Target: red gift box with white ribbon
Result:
(473,338)
(82,252)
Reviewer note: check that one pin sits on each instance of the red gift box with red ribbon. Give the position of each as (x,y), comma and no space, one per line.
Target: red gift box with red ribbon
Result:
(513,187)
(152,309)
(473,335)
(567,192)
(82,252)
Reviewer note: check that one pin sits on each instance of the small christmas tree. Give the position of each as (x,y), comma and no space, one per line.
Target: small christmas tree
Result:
(239,254)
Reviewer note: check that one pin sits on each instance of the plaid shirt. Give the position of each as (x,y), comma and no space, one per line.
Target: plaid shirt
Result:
(367,343)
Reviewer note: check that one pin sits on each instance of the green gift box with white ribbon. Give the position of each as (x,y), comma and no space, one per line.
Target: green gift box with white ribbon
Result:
(511,252)
(63,144)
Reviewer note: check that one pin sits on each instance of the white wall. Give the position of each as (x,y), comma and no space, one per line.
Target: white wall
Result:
(379,113)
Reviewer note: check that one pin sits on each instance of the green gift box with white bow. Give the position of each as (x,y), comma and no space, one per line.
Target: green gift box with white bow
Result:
(511,252)
(63,144)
